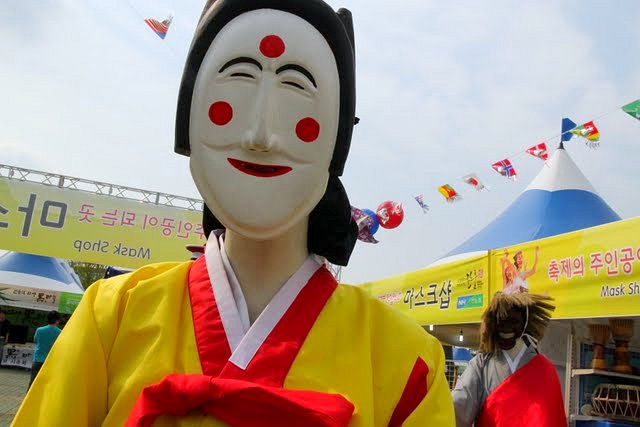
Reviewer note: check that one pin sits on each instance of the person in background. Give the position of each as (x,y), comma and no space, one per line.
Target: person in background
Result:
(4,330)
(44,337)
(4,327)
(509,380)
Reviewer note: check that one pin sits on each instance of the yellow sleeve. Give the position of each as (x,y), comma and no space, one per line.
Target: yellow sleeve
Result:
(71,388)
(436,409)
(402,350)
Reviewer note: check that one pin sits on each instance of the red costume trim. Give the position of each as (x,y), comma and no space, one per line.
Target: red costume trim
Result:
(530,397)
(414,391)
(226,393)
(273,360)
(239,403)
(213,347)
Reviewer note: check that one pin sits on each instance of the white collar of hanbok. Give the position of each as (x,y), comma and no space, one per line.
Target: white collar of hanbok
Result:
(513,363)
(245,339)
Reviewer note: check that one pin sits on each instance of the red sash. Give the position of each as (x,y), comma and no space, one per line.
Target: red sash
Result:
(226,391)
(531,396)
(239,403)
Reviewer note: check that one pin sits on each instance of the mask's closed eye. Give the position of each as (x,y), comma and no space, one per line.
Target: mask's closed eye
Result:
(298,77)
(298,81)
(242,74)
(294,84)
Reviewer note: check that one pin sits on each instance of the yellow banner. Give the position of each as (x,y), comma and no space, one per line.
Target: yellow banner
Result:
(46,220)
(444,294)
(590,273)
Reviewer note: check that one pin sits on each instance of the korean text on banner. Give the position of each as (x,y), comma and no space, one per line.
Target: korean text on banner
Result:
(445,294)
(38,299)
(45,220)
(590,273)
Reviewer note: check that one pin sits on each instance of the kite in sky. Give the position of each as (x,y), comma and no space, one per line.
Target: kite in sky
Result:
(473,180)
(160,28)
(423,205)
(449,193)
(539,151)
(633,109)
(505,168)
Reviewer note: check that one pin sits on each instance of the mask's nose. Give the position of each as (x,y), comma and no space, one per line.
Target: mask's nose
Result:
(261,137)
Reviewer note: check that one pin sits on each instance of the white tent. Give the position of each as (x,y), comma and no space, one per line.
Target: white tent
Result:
(38,282)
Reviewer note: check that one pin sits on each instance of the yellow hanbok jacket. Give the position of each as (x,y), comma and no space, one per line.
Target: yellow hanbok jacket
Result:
(129,332)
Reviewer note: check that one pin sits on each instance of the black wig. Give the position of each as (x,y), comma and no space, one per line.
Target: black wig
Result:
(332,231)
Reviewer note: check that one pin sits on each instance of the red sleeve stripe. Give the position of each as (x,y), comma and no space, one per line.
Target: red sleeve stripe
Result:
(412,395)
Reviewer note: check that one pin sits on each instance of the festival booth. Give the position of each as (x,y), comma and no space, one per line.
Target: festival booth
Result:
(594,277)
(37,283)
(592,271)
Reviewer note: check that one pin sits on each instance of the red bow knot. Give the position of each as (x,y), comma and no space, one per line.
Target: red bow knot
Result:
(239,403)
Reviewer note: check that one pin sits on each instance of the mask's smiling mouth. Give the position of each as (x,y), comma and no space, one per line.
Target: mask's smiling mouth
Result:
(262,171)
(506,336)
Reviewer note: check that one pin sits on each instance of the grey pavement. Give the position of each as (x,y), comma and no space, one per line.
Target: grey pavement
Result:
(13,387)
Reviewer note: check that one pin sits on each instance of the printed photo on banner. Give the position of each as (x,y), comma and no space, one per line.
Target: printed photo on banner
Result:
(515,271)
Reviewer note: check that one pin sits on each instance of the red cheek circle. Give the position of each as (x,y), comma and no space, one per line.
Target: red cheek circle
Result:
(308,129)
(272,46)
(220,113)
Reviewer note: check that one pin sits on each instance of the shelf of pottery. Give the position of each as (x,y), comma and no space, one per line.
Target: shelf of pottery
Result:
(603,373)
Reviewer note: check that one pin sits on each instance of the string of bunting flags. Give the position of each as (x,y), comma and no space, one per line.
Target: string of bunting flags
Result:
(390,214)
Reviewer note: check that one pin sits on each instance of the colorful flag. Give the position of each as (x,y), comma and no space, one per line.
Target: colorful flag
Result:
(590,132)
(473,180)
(364,223)
(505,168)
(449,193)
(160,28)
(633,109)
(539,151)
(567,126)
(423,205)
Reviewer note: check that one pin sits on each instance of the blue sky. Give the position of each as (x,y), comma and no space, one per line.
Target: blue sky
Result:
(444,89)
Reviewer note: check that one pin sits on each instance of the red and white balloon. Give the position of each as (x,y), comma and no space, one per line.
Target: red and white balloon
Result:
(390,214)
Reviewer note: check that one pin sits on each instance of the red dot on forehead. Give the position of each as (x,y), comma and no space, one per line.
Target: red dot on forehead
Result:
(308,129)
(272,46)
(220,113)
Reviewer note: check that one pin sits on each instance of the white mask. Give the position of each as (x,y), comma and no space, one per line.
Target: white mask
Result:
(264,120)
